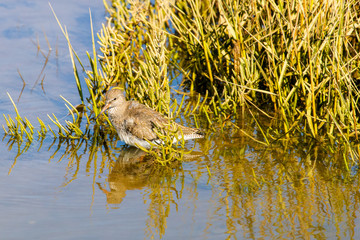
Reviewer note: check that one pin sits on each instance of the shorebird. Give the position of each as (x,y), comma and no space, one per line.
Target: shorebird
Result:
(137,124)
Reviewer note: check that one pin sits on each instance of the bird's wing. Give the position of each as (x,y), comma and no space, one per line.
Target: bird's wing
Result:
(143,122)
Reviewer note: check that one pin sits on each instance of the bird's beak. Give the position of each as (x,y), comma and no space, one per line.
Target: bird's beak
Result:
(103,110)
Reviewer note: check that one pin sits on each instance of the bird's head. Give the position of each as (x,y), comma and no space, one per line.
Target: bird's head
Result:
(113,98)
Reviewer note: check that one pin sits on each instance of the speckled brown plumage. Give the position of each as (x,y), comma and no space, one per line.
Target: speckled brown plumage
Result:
(135,123)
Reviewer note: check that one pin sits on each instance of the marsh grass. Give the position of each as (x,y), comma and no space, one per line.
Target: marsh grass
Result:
(295,63)
(297,60)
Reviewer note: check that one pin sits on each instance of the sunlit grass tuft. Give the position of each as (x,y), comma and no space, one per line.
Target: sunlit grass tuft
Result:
(296,62)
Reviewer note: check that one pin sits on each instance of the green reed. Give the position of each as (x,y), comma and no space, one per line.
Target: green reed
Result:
(297,62)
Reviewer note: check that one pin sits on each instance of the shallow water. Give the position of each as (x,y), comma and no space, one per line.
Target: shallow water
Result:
(230,187)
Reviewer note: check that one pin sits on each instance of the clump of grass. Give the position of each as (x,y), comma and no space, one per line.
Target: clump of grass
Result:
(295,61)
(20,127)
(140,62)
(281,58)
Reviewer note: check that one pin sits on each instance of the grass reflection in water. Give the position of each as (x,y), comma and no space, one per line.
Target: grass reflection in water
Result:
(234,186)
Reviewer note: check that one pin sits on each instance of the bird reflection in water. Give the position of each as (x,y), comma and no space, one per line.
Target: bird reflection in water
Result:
(131,171)
(135,169)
